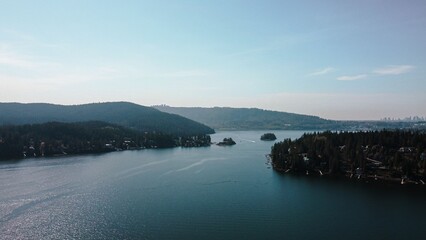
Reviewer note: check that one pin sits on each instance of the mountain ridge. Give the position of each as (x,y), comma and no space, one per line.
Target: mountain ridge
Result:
(127,114)
(227,118)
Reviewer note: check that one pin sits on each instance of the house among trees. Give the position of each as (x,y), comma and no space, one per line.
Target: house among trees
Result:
(379,155)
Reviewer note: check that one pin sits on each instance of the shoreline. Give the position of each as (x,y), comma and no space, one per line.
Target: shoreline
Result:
(15,160)
(366,178)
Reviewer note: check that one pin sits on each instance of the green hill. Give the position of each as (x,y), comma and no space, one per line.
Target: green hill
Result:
(224,118)
(136,117)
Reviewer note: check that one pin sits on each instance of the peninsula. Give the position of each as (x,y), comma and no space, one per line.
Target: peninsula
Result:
(57,139)
(392,156)
(42,129)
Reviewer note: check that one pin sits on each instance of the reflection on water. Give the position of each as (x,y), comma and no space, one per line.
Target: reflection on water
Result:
(204,193)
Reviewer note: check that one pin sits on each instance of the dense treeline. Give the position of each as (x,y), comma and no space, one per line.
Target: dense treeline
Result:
(130,115)
(268,137)
(57,138)
(379,154)
(226,118)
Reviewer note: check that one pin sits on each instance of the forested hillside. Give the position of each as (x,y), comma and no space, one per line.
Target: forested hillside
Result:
(224,118)
(387,155)
(55,138)
(137,117)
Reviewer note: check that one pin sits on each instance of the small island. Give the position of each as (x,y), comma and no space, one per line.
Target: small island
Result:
(268,137)
(227,142)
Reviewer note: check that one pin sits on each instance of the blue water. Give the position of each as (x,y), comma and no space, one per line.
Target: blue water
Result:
(197,193)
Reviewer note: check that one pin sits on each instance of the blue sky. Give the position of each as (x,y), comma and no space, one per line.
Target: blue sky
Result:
(335,59)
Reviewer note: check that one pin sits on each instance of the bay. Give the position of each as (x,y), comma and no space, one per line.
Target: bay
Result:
(197,193)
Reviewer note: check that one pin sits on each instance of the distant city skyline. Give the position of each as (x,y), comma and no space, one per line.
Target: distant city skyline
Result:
(406,119)
(343,60)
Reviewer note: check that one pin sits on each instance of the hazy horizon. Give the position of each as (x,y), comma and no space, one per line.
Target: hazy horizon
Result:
(216,106)
(340,60)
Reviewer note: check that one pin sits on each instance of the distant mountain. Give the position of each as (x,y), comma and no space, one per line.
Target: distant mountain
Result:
(224,118)
(126,114)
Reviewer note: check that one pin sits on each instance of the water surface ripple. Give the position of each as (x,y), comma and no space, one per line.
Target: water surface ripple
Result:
(197,193)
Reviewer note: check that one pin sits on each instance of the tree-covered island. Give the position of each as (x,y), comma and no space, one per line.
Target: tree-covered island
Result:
(57,138)
(386,155)
(268,137)
(227,142)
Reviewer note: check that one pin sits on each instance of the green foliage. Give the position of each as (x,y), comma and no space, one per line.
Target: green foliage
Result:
(144,119)
(55,138)
(268,137)
(225,118)
(227,142)
(390,153)
(248,118)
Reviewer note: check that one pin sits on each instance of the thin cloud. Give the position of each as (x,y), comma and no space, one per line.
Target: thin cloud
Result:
(274,45)
(389,70)
(352,78)
(322,71)
(251,51)
(393,70)
(185,73)
(14,59)
(18,36)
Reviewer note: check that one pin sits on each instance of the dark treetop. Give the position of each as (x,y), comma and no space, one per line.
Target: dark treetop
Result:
(268,137)
(379,155)
(141,118)
(248,118)
(55,138)
(225,118)
(227,142)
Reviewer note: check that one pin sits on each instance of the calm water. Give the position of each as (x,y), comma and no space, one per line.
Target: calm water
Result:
(205,193)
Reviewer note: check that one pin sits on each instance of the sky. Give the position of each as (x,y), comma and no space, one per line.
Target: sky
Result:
(337,59)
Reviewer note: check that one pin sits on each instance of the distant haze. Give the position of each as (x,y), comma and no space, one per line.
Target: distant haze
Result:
(358,60)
